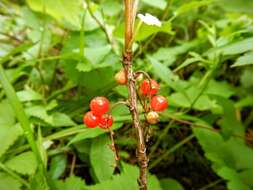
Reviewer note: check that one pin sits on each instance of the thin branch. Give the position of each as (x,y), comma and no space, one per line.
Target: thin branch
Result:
(113,146)
(102,26)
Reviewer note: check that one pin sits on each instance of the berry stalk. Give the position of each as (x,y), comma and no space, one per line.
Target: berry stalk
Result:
(132,93)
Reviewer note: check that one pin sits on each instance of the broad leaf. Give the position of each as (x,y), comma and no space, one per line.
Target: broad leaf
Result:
(71,183)
(9,183)
(8,135)
(24,163)
(170,184)
(62,10)
(102,158)
(244,60)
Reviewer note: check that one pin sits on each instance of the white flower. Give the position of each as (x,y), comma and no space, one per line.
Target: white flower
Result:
(47,144)
(150,19)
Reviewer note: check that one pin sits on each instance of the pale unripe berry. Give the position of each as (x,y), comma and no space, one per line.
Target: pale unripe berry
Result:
(152,117)
(121,77)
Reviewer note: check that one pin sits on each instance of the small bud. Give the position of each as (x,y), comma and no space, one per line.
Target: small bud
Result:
(120,77)
(152,117)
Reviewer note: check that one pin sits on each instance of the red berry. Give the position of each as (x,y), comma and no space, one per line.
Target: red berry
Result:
(152,117)
(99,105)
(90,120)
(121,77)
(105,121)
(145,87)
(159,103)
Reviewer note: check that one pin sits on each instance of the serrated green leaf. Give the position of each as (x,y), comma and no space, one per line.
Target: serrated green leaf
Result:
(102,158)
(126,180)
(234,181)
(24,163)
(71,183)
(9,183)
(8,135)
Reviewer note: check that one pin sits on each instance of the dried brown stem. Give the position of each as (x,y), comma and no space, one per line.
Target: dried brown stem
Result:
(127,63)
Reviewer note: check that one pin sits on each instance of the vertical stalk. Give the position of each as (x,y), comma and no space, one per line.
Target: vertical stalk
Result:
(132,94)
(23,120)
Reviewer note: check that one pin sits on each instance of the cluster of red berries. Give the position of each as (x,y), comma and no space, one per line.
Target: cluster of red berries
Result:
(158,103)
(97,116)
(148,88)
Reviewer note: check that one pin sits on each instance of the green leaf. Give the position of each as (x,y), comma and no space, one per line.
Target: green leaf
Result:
(230,159)
(8,135)
(237,47)
(57,166)
(24,163)
(160,4)
(7,114)
(245,6)
(71,183)
(40,112)
(246,59)
(234,181)
(9,183)
(229,122)
(165,74)
(111,7)
(61,120)
(170,184)
(187,62)
(102,157)
(186,99)
(247,78)
(91,133)
(96,55)
(222,89)
(61,10)
(126,180)
(147,30)
(29,95)
(192,5)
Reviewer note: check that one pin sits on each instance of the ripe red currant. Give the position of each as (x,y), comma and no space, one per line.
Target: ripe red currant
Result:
(105,121)
(90,120)
(159,103)
(145,87)
(99,105)
(152,117)
(121,77)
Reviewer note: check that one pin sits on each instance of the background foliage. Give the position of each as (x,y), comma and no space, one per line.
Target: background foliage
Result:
(59,54)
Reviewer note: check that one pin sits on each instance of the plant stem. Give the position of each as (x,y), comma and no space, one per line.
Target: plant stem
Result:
(172,149)
(127,63)
(212,184)
(160,137)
